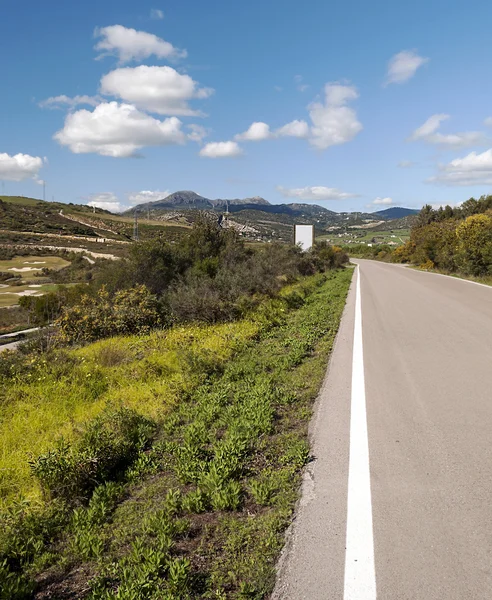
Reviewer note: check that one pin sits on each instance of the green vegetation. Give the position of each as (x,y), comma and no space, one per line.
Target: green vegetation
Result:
(208,276)
(32,266)
(374,236)
(178,468)
(22,276)
(453,240)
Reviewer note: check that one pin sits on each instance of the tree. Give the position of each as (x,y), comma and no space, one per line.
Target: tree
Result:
(475,244)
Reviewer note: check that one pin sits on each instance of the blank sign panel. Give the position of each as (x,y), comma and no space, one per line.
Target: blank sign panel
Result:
(305,236)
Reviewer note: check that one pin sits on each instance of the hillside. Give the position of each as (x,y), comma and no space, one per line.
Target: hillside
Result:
(396,212)
(75,222)
(38,217)
(255,218)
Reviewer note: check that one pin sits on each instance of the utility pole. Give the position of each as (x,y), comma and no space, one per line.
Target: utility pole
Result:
(135,227)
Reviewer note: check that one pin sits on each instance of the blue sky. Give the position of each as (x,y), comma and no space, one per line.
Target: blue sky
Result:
(354,105)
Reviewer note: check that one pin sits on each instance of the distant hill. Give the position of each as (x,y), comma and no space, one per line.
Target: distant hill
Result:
(35,216)
(396,212)
(187,199)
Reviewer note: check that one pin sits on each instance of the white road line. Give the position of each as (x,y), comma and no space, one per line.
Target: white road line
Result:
(360,575)
(454,278)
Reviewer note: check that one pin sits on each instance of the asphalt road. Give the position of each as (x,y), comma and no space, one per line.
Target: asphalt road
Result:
(413,521)
(13,345)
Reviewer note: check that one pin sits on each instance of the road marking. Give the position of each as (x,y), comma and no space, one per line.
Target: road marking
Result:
(454,278)
(360,574)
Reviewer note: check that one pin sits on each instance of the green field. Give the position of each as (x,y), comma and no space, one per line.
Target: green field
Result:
(366,236)
(22,200)
(29,268)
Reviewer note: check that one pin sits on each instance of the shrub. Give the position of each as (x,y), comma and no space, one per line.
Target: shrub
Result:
(108,445)
(474,238)
(126,312)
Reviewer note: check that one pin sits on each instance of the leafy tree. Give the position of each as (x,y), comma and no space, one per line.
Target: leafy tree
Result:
(475,244)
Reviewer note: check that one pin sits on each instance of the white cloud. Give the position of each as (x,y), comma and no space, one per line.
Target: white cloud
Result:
(221,150)
(129,44)
(278,88)
(107,201)
(334,122)
(384,201)
(298,129)
(428,133)
(146,196)
(117,130)
(403,66)
(156,14)
(19,167)
(157,89)
(315,193)
(197,133)
(406,164)
(63,101)
(256,132)
(472,169)
(488,122)
(429,127)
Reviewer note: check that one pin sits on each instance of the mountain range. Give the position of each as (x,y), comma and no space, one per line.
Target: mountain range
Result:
(183,200)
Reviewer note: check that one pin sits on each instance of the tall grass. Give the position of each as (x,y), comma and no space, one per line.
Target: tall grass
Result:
(58,393)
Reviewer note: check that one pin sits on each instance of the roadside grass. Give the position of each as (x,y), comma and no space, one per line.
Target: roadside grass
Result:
(54,395)
(200,509)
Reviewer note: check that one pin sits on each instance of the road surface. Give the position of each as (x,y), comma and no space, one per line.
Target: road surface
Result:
(397,504)
(13,345)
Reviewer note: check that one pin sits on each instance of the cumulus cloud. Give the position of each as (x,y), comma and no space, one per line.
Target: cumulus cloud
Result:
(315,193)
(146,196)
(117,130)
(428,132)
(384,201)
(221,150)
(334,122)
(107,201)
(298,129)
(156,14)
(406,164)
(65,101)
(19,166)
(197,133)
(256,132)
(157,89)
(472,169)
(403,66)
(131,45)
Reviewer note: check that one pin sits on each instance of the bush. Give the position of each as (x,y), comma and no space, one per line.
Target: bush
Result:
(126,312)
(474,245)
(109,444)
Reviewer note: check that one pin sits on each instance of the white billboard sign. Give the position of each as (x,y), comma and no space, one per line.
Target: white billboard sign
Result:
(304,235)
